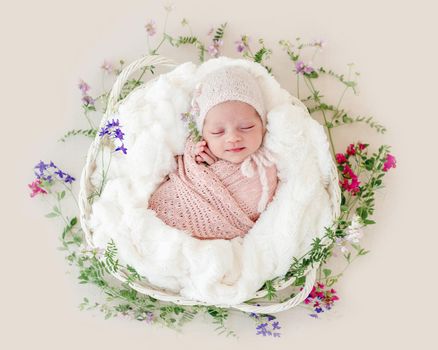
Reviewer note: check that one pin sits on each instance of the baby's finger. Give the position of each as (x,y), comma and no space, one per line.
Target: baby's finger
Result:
(208,151)
(207,158)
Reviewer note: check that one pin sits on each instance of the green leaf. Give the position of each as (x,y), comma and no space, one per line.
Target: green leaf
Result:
(327,272)
(51,215)
(300,281)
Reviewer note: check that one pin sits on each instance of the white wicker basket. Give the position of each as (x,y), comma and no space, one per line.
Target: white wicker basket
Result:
(86,188)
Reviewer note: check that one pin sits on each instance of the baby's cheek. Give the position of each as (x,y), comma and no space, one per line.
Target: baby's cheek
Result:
(215,149)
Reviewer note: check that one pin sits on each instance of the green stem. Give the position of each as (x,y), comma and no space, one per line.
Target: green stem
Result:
(313,90)
(298,86)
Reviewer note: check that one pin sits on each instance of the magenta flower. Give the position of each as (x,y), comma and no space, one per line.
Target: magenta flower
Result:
(302,68)
(350,182)
(361,146)
(151,28)
(320,299)
(340,158)
(390,162)
(351,150)
(36,188)
(83,86)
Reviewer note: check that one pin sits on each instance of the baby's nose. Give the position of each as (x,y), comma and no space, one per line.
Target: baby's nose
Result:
(234,137)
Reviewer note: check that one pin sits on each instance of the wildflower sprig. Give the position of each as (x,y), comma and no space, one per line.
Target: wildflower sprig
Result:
(260,56)
(266,325)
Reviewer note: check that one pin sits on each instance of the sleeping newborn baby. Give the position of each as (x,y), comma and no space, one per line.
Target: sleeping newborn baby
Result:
(223,182)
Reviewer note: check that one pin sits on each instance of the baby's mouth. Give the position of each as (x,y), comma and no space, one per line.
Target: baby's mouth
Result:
(235,150)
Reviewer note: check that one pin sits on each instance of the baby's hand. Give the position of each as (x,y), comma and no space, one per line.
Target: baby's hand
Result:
(203,153)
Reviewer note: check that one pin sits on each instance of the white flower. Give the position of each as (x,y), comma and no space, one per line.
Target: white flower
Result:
(169,7)
(354,231)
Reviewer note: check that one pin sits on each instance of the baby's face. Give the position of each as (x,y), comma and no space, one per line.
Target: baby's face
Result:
(233,131)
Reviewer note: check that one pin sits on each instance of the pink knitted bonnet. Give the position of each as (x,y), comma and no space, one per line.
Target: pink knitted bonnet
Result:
(229,83)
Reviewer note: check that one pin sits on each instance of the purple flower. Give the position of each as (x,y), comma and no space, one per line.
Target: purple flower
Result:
(261,329)
(115,133)
(276,335)
(112,123)
(103,132)
(69,179)
(118,134)
(88,100)
(318,310)
(213,49)
(149,317)
(47,175)
(240,46)
(41,166)
(121,148)
(302,68)
(83,86)
(275,325)
(60,173)
(151,28)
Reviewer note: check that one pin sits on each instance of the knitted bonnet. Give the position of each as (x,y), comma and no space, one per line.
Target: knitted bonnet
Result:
(230,83)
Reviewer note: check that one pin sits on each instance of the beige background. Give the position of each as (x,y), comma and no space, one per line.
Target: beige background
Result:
(387,298)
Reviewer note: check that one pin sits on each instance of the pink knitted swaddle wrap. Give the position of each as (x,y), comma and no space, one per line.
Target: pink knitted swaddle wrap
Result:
(220,201)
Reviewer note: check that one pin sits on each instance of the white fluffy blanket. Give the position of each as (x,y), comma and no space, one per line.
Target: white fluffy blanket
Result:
(213,271)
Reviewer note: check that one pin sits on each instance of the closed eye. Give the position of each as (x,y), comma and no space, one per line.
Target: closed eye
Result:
(247,128)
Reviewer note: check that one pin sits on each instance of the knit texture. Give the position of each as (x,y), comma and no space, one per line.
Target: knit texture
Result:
(220,201)
(230,83)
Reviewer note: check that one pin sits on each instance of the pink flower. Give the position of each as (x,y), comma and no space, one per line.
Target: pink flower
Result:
(301,67)
(340,158)
(151,28)
(35,187)
(350,150)
(107,67)
(213,49)
(390,162)
(83,86)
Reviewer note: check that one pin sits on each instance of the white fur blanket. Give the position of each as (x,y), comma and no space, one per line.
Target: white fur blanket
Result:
(214,271)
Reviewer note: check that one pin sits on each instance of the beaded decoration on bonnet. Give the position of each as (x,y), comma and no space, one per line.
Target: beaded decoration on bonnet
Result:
(234,83)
